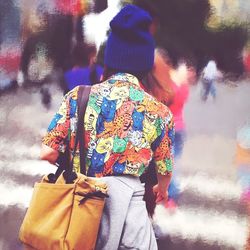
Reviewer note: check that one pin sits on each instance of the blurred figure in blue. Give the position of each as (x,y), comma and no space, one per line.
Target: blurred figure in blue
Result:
(84,69)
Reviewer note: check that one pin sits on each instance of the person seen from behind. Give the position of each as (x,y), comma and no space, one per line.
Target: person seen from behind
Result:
(169,85)
(208,77)
(125,129)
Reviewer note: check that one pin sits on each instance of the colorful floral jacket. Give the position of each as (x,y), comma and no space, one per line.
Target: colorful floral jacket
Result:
(125,128)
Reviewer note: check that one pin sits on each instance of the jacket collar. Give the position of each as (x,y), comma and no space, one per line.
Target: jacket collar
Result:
(124,77)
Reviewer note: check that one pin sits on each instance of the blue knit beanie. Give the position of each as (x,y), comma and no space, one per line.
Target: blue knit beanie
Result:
(130,46)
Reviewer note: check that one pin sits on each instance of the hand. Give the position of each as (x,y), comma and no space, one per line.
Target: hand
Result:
(49,154)
(161,193)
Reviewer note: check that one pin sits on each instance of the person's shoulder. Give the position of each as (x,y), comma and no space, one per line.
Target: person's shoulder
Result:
(165,113)
(72,94)
(98,86)
(162,109)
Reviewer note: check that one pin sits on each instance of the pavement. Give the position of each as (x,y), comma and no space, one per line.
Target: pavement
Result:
(209,215)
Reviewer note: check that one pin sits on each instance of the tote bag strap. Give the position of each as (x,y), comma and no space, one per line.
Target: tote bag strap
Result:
(82,100)
(69,175)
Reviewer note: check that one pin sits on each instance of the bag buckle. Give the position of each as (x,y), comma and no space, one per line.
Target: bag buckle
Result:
(86,196)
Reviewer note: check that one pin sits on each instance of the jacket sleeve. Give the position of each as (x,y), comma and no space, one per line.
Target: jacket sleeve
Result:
(163,150)
(59,129)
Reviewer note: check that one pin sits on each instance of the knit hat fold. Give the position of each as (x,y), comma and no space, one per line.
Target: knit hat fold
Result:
(130,46)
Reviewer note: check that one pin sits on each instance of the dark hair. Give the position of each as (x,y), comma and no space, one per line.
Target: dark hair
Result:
(149,6)
(160,88)
(90,51)
(93,74)
(78,56)
(108,72)
(81,54)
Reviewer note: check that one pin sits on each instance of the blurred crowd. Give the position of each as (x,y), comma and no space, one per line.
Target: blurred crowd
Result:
(44,42)
(40,41)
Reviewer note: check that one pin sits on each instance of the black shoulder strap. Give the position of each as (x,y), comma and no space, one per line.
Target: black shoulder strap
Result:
(82,100)
(69,175)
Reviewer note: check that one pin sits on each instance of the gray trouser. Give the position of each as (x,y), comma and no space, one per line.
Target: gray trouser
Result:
(125,223)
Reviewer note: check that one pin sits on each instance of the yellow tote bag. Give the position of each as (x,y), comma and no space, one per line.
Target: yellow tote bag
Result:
(64,216)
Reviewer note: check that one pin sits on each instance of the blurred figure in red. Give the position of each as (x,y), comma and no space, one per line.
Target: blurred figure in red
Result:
(246,61)
(170,86)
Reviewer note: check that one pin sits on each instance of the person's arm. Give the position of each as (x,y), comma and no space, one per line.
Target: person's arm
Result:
(48,154)
(54,141)
(163,157)
(161,189)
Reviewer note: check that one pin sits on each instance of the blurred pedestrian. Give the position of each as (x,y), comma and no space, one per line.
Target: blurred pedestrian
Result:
(84,69)
(171,87)
(246,60)
(125,129)
(242,160)
(208,77)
